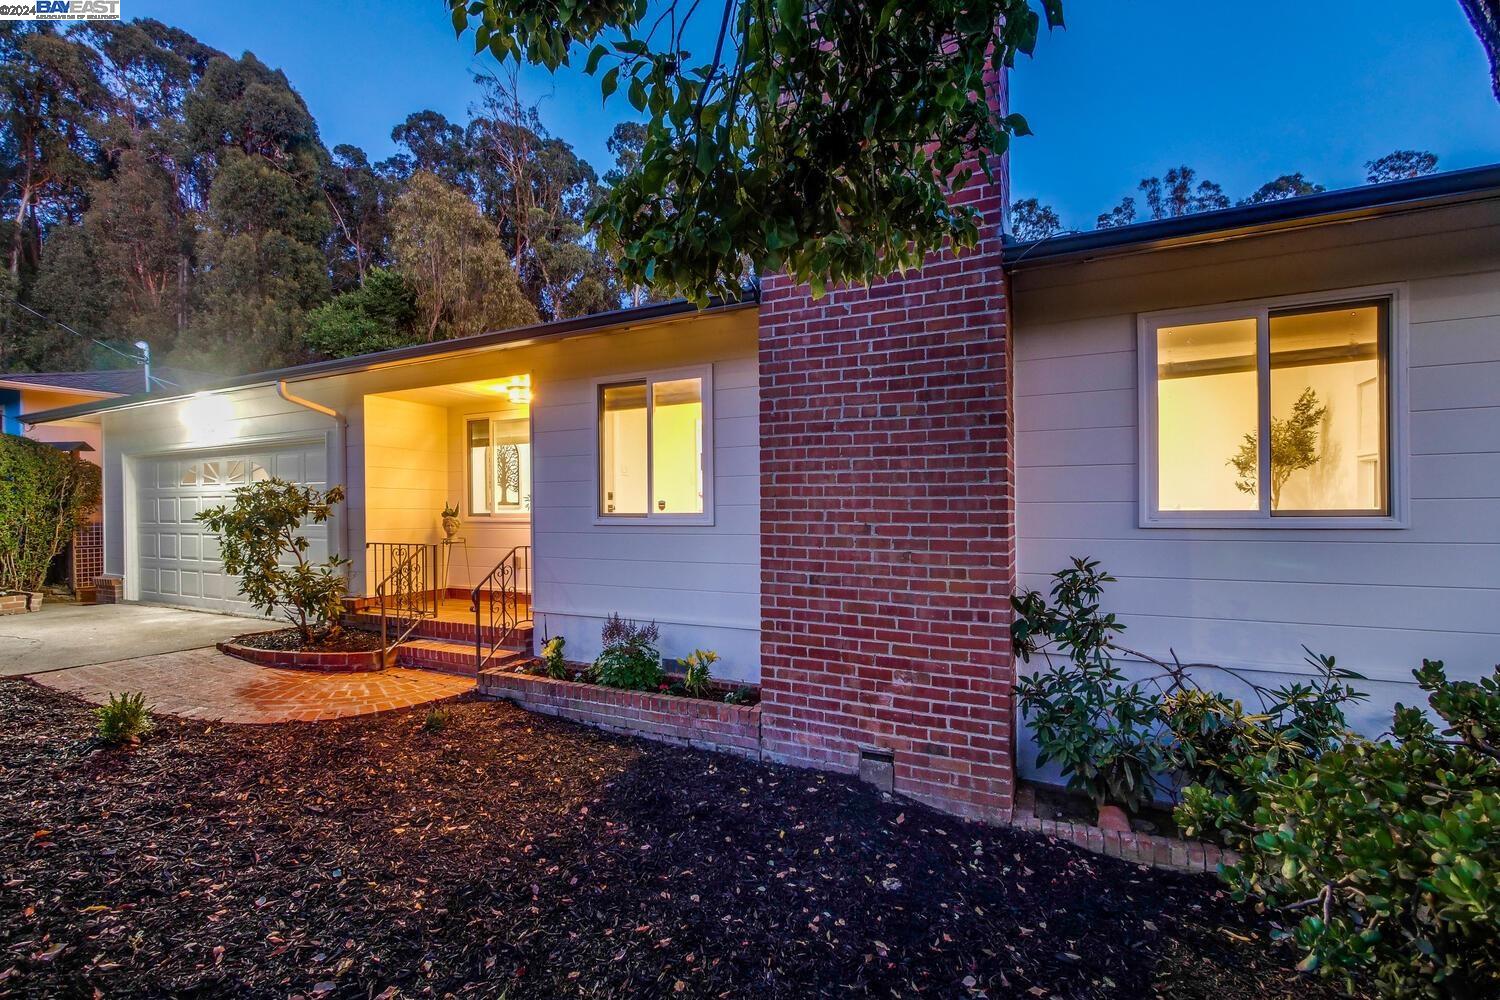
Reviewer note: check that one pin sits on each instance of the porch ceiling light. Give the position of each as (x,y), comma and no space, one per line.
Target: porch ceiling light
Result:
(517,389)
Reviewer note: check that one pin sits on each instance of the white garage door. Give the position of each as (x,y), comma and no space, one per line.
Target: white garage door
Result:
(177,558)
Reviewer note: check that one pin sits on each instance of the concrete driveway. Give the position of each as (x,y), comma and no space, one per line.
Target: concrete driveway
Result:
(71,635)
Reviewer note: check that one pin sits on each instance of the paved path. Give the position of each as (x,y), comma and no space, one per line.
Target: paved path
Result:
(69,635)
(205,684)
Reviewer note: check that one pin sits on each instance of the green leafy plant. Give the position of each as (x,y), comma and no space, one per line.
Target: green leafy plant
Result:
(123,719)
(1216,743)
(450,509)
(697,682)
(45,494)
(1387,851)
(554,665)
(437,719)
(260,540)
(1294,446)
(630,659)
(1101,730)
(740,696)
(1117,740)
(826,140)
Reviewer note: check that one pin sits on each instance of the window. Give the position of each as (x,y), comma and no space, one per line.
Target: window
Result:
(654,454)
(1268,412)
(499,465)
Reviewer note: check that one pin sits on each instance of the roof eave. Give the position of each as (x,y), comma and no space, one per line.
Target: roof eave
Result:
(417,353)
(1421,193)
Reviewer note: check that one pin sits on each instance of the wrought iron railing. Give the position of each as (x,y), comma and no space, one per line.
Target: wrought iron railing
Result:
(502,604)
(408,589)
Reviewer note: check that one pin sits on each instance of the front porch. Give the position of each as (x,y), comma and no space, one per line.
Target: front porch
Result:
(446,573)
(440,631)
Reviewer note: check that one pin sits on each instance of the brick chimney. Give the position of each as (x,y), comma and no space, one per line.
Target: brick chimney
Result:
(888,524)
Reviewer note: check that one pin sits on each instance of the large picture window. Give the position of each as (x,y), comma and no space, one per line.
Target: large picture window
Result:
(1268,412)
(655,453)
(499,450)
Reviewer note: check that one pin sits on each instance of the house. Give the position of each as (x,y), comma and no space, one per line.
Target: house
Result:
(22,394)
(839,494)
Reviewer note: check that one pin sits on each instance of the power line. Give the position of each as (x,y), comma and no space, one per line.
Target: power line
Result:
(136,358)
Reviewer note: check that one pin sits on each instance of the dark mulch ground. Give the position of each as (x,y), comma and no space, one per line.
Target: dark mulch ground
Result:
(511,855)
(346,640)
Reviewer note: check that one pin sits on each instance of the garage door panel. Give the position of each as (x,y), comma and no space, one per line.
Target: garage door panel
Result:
(178,560)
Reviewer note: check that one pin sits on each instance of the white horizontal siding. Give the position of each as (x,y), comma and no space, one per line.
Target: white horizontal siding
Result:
(1378,600)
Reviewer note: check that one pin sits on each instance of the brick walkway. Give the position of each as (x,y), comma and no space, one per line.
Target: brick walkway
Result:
(206,684)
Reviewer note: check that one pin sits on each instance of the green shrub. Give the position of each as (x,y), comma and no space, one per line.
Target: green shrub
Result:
(261,544)
(740,696)
(437,719)
(553,663)
(1387,850)
(45,494)
(1117,740)
(1217,744)
(630,659)
(697,682)
(123,719)
(1102,731)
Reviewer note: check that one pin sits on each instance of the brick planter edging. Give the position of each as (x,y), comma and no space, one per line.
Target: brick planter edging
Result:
(695,722)
(1142,848)
(335,662)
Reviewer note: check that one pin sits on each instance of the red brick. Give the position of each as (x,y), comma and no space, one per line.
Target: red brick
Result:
(887,523)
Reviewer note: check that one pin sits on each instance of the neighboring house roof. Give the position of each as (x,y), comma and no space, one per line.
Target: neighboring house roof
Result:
(118,382)
(405,355)
(69,446)
(1370,201)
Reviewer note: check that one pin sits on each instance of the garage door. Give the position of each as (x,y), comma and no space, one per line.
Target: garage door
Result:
(177,558)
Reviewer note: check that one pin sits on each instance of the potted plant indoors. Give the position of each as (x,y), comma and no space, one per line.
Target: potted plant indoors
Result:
(451,523)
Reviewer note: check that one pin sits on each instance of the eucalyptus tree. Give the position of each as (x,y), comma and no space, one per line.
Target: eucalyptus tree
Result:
(825,139)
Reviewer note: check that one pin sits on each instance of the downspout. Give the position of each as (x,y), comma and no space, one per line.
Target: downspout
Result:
(340,437)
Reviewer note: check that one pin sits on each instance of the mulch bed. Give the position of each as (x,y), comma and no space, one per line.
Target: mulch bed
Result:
(347,640)
(512,855)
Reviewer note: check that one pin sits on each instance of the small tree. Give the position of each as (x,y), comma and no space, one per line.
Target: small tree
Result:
(261,544)
(1294,446)
(45,494)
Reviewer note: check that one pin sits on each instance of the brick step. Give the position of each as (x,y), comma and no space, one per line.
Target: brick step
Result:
(452,657)
(449,631)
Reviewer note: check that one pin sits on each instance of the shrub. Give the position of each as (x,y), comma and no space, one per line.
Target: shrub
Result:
(740,696)
(1102,731)
(1389,849)
(45,494)
(123,719)
(1217,744)
(553,664)
(697,682)
(257,536)
(630,659)
(437,719)
(1113,738)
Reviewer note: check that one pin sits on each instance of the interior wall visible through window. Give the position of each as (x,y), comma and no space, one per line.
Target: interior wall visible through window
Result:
(1276,412)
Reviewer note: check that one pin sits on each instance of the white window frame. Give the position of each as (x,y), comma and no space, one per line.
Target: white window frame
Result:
(1398,480)
(704,372)
(491,416)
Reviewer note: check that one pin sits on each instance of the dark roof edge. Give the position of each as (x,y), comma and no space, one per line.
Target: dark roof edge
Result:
(1373,199)
(407,355)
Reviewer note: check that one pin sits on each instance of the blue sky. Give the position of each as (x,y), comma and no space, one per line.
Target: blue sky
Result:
(1242,92)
